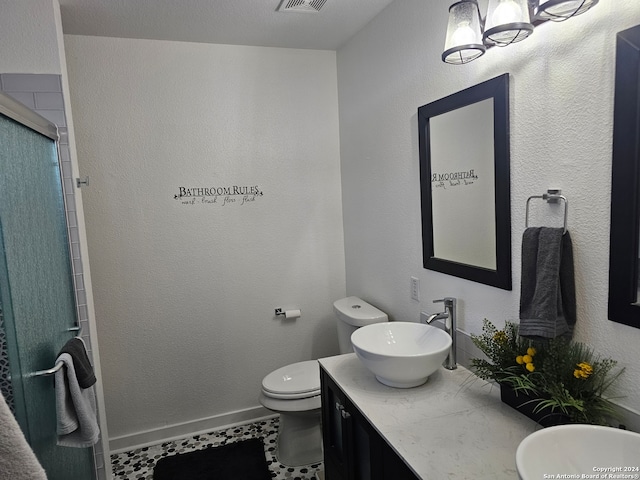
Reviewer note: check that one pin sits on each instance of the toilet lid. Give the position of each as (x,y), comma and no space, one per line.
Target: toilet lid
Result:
(297,380)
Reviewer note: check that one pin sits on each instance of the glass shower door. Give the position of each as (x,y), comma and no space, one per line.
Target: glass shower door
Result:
(36,289)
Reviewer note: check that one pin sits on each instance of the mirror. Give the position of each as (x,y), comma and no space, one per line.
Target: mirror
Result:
(625,208)
(465,183)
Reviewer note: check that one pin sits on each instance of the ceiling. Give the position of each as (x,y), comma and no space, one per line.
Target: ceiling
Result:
(235,22)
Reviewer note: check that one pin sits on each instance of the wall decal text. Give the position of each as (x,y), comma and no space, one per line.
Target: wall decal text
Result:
(222,196)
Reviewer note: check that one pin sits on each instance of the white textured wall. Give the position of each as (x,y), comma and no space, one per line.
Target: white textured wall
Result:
(29,37)
(185,294)
(562,83)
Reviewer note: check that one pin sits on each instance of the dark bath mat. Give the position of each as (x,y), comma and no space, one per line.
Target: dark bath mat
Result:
(240,460)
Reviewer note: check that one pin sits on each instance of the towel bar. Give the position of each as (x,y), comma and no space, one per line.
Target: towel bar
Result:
(552,196)
(50,371)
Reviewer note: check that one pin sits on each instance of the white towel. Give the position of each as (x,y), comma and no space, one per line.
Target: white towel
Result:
(77,424)
(17,460)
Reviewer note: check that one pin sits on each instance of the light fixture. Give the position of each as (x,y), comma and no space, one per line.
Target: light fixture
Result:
(560,10)
(507,22)
(464,34)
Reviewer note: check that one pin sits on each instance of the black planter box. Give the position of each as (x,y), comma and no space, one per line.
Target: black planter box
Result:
(526,405)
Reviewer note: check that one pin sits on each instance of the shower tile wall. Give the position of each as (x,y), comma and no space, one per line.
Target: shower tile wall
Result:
(42,93)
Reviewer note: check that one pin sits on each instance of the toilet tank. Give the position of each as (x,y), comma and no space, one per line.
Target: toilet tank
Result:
(351,314)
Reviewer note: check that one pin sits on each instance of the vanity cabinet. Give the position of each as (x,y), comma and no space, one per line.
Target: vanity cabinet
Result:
(353,449)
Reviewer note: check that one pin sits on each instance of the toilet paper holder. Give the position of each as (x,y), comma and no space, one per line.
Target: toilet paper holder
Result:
(287,313)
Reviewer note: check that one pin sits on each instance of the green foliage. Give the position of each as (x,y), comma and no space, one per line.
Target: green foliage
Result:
(563,376)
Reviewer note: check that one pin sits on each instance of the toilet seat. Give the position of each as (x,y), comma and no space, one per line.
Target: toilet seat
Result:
(292,382)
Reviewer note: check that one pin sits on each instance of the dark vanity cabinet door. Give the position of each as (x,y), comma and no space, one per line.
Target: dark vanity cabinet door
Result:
(353,449)
(336,421)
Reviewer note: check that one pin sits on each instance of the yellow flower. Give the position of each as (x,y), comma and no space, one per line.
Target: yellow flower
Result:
(585,367)
(583,371)
(527,359)
(531,367)
(531,351)
(519,360)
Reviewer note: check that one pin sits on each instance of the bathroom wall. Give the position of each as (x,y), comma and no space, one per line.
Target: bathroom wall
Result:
(562,84)
(29,37)
(187,276)
(33,71)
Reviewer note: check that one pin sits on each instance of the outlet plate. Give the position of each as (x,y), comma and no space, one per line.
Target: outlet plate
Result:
(415,289)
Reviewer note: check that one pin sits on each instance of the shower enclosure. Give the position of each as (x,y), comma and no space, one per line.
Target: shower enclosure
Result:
(37,303)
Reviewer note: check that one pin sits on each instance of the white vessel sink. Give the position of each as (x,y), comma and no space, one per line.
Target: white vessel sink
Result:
(586,451)
(401,354)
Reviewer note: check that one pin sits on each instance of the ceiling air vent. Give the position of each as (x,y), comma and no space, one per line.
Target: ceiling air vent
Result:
(301,5)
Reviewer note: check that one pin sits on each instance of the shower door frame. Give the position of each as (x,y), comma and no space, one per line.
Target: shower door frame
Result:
(23,115)
(27,117)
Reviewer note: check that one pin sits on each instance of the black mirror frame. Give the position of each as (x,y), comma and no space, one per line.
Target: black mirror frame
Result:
(625,170)
(497,89)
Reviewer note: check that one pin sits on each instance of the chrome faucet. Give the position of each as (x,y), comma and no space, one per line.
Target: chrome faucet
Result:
(449,322)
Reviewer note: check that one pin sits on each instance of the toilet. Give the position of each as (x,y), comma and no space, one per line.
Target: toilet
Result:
(293,391)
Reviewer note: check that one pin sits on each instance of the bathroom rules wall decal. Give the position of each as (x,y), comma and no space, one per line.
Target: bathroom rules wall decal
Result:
(221,196)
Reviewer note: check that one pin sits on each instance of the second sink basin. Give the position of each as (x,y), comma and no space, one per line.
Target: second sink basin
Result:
(401,354)
(579,451)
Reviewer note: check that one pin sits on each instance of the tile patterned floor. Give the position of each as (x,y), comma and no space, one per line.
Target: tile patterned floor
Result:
(138,464)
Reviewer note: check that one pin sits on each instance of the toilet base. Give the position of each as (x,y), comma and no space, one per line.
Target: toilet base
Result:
(299,438)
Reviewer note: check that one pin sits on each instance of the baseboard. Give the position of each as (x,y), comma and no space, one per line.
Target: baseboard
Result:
(187,429)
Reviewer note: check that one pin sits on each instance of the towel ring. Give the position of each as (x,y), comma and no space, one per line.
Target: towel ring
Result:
(552,196)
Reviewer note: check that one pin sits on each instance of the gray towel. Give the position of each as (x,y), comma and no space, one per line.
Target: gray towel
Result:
(77,424)
(17,460)
(548,294)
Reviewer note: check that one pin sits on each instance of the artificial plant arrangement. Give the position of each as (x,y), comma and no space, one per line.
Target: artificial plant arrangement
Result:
(559,375)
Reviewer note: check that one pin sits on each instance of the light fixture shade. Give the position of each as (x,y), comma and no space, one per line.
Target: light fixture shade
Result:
(560,10)
(464,37)
(507,22)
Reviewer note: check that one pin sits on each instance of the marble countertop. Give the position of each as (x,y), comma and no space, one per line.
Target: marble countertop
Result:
(452,427)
